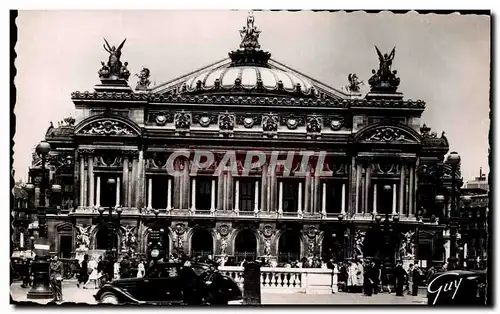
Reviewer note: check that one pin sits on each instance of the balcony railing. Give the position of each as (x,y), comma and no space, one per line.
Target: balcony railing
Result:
(288,280)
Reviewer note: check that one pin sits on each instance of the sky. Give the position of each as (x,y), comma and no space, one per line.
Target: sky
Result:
(441,59)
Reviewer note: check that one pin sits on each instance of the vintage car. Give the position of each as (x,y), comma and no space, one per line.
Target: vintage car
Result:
(457,287)
(173,284)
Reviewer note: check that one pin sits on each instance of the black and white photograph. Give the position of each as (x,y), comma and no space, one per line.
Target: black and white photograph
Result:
(250,157)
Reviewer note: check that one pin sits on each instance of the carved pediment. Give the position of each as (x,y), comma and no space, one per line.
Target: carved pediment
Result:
(108,126)
(388,134)
(64,227)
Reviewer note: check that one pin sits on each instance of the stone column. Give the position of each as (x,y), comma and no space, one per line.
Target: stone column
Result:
(98,192)
(299,208)
(133,183)
(125,187)
(411,189)
(229,191)
(256,201)
(224,199)
(280,198)
(402,185)
(150,193)
(118,186)
(263,192)
(307,192)
(236,195)
(82,181)
(394,199)
(212,196)
(323,200)
(343,199)
(272,190)
(358,186)
(317,193)
(91,180)
(140,193)
(367,187)
(177,191)
(374,199)
(220,191)
(193,194)
(187,185)
(169,194)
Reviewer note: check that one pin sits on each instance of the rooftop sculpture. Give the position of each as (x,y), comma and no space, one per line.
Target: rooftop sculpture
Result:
(384,79)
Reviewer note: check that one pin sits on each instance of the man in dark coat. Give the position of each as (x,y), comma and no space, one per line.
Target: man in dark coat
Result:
(417,278)
(377,274)
(368,279)
(125,267)
(83,276)
(400,275)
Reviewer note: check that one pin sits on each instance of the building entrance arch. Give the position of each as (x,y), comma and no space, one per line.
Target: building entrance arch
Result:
(289,246)
(202,243)
(102,239)
(245,246)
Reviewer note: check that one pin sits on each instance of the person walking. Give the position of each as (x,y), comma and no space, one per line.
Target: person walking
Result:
(83,276)
(141,270)
(410,279)
(352,279)
(368,280)
(94,274)
(400,275)
(417,275)
(377,275)
(125,267)
(359,275)
(56,277)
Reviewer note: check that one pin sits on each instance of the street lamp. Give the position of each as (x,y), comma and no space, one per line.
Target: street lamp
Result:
(453,160)
(111,230)
(40,268)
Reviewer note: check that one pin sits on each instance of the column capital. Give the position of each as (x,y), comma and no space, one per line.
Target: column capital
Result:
(364,160)
(85,152)
(407,160)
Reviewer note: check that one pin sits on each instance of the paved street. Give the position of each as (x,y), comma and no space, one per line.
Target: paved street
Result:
(73,294)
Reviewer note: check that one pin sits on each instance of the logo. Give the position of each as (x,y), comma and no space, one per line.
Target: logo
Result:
(444,283)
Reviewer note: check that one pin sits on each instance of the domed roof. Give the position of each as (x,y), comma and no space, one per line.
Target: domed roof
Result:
(249,78)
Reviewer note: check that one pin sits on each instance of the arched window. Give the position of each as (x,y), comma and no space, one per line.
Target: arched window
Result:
(202,243)
(289,246)
(245,246)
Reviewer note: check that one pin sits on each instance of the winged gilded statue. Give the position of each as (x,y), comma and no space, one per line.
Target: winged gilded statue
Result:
(114,62)
(385,61)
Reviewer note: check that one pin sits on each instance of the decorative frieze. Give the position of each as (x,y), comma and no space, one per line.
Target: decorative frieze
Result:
(387,134)
(182,120)
(107,128)
(226,123)
(204,119)
(292,121)
(335,123)
(160,118)
(248,120)
(270,124)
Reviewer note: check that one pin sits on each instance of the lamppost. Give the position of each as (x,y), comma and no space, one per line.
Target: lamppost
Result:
(390,231)
(453,160)
(40,267)
(110,225)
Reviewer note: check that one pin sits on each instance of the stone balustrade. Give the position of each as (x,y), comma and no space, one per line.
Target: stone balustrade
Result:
(288,280)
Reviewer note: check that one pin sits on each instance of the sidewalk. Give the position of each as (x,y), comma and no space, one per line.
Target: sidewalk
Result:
(71,293)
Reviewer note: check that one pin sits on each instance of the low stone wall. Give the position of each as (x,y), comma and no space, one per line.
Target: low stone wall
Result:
(289,280)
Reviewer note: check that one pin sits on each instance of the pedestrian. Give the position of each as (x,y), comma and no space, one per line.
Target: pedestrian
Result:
(359,275)
(352,279)
(410,279)
(377,275)
(56,277)
(25,273)
(141,269)
(367,280)
(417,278)
(124,267)
(400,275)
(94,274)
(83,276)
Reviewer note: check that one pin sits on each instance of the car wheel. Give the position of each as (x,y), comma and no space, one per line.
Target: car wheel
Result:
(109,298)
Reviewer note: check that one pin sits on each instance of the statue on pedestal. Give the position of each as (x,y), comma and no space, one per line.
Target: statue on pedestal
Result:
(384,80)
(114,66)
(250,35)
(83,238)
(144,82)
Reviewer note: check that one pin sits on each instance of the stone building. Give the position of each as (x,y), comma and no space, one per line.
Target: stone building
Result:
(377,199)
